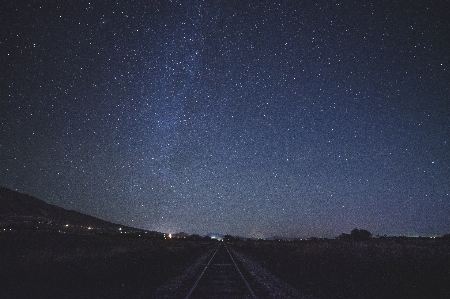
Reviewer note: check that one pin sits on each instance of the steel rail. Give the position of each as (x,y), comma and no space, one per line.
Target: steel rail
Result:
(235,266)
(242,276)
(203,272)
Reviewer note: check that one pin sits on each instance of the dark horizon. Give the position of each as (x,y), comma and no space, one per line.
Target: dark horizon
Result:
(254,119)
(19,205)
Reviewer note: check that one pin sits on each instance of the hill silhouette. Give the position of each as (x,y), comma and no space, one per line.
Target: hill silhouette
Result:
(20,209)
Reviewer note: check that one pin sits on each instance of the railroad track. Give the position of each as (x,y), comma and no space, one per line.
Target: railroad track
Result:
(221,278)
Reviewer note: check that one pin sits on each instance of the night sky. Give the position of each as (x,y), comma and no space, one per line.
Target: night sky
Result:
(252,118)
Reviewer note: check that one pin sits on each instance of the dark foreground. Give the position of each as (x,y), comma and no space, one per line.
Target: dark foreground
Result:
(44,265)
(90,266)
(376,268)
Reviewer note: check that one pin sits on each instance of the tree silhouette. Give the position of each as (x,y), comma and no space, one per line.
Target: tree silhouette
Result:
(228,238)
(195,237)
(360,234)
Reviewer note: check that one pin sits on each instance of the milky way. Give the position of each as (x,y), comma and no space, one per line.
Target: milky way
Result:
(250,118)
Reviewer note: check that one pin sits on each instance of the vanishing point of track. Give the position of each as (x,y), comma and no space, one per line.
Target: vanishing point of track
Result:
(221,278)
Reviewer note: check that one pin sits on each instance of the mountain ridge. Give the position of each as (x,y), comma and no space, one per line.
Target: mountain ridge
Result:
(16,207)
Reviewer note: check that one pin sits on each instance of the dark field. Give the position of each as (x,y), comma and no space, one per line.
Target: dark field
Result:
(43,265)
(89,266)
(377,268)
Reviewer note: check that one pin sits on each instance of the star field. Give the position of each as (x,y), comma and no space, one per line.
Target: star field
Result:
(252,118)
